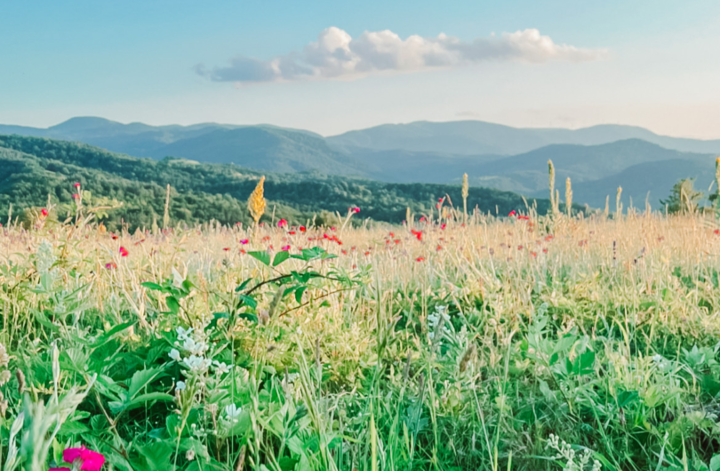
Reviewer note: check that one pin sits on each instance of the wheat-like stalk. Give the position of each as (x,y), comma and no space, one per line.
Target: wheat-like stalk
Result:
(256,202)
(166,215)
(465,193)
(551,175)
(618,203)
(568,196)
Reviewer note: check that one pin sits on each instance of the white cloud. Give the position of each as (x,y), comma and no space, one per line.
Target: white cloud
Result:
(336,54)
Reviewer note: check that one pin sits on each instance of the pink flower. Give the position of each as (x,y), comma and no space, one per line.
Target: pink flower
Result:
(77,185)
(44,212)
(286,248)
(512,213)
(282,223)
(123,252)
(354,210)
(91,460)
(244,241)
(75,196)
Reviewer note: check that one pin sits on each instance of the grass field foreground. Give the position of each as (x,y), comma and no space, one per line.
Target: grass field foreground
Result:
(521,342)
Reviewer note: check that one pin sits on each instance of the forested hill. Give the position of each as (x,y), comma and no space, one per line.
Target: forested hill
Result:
(33,168)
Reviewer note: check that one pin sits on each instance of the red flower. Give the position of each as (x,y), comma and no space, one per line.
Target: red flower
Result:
(512,213)
(417,234)
(282,223)
(75,196)
(226,249)
(354,210)
(123,252)
(422,218)
(302,228)
(443,226)
(439,247)
(44,212)
(244,241)
(291,232)
(420,259)
(91,460)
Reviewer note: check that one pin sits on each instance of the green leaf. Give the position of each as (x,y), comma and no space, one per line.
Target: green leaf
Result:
(243,285)
(299,293)
(173,304)
(585,363)
(248,300)
(715,463)
(280,257)
(262,256)
(149,397)
(143,378)
(152,286)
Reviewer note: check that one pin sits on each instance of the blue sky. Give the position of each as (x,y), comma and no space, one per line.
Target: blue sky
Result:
(648,63)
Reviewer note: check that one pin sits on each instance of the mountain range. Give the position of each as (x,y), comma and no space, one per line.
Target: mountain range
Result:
(598,159)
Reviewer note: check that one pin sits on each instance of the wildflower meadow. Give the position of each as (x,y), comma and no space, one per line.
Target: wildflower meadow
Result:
(457,340)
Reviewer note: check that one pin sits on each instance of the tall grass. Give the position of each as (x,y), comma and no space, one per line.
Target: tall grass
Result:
(525,343)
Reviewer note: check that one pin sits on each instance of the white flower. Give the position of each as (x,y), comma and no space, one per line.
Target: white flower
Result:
(182,333)
(195,348)
(196,363)
(233,412)
(174,354)
(180,386)
(220,368)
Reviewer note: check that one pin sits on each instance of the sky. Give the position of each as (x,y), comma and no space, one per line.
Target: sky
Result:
(330,66)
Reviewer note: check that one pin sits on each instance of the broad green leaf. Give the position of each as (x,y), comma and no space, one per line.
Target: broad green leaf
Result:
(248,300)
(172,304)
(152,286)
(149,397)
(280,257)
(299,293)
(143,378)
(262,256)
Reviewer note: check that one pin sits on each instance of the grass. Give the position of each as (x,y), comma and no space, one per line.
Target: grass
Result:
(505,343)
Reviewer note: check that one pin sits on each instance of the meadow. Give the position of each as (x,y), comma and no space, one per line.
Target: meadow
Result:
(450,342)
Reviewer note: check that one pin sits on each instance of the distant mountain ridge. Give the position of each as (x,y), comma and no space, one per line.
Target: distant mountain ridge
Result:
(493,155)
(479,137)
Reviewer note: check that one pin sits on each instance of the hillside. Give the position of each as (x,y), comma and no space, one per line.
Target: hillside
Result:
(600,169)
(203,192)
(262,148)
(478,137)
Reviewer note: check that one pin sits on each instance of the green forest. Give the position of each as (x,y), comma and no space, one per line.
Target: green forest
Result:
(40,171)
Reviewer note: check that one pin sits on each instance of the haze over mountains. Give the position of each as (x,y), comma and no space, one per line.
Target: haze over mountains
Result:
(598,159)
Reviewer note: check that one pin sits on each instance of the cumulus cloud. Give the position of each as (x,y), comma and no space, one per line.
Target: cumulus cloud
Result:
(336,54)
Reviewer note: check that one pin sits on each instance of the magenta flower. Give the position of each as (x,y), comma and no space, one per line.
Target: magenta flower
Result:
(282,223)
(244,241)
(89,460)
(285,248)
